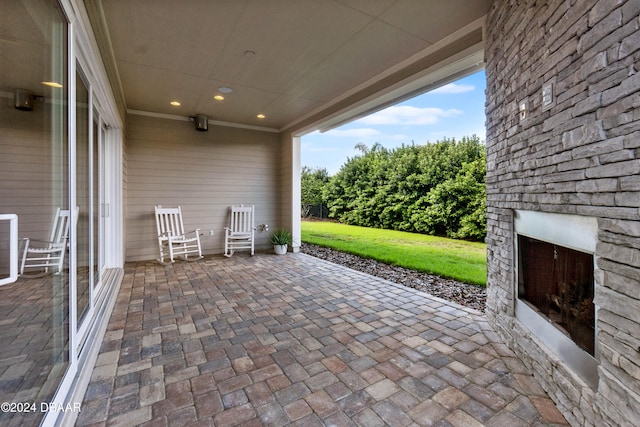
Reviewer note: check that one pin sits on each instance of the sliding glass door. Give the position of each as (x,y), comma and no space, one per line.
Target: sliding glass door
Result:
(89,198)
(34,186)
(54,205)
(83,197)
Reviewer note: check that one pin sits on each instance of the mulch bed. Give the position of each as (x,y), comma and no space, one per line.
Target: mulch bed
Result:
(462,293)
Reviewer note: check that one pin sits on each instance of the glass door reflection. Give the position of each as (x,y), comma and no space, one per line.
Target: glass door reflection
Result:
(84,192)
(34,184)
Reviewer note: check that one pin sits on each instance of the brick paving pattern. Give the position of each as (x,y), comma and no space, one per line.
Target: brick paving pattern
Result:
(33,343)
(294,340)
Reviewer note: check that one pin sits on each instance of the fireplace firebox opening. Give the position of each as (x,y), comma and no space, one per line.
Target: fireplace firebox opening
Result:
(556,278)
(558,282)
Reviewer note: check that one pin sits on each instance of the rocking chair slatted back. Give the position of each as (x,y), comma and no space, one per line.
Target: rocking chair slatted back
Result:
(171,234)
(46,256)
(241,231)
(60,229)
(169,221)
(241,220)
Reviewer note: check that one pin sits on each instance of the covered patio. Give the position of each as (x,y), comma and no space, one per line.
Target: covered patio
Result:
(100,99)
(294,340)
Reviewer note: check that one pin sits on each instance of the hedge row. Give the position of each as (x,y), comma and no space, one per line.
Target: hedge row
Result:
(436,188)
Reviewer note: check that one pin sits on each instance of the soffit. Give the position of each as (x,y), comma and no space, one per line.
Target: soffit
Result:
(308,53)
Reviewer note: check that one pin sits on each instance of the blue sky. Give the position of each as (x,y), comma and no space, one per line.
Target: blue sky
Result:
(453,111)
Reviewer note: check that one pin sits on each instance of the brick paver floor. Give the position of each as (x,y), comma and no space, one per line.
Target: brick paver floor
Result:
(293,340)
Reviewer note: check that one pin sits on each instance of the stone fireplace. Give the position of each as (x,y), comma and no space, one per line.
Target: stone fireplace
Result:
(563,193)
(555,285)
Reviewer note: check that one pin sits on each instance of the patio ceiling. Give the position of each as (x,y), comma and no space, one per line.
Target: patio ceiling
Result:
(304,64)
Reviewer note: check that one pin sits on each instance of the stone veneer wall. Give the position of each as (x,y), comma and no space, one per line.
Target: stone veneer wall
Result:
(580,157)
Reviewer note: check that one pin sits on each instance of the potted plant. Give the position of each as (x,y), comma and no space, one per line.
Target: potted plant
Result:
(280,239)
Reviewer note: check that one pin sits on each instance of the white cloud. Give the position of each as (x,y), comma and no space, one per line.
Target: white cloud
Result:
(407,115)
(311,148)
(359,132)
(454,88)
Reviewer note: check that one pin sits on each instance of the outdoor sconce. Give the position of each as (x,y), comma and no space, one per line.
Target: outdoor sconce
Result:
(202,122)
(24,99)
(263,227)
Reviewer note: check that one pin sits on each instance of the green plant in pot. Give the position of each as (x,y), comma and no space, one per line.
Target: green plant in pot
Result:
(280,239)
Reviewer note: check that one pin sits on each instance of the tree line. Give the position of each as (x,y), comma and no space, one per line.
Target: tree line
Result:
(437,188)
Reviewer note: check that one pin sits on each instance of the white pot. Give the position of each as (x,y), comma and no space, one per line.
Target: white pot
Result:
(280,249)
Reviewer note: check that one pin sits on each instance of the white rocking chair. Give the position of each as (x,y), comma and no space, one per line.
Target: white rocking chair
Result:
(171,234)
(47,256)
(241,231)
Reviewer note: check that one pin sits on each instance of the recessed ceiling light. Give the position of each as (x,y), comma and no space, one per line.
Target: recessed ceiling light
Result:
(218,97)
(225,89)
(261,116)
(175,103)
(52,84)
(249,53)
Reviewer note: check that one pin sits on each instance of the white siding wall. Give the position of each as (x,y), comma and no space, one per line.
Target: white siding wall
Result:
(26,173)
(170,163)
(125,191)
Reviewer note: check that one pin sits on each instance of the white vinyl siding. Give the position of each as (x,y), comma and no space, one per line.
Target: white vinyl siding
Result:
(169,163)
(26,174)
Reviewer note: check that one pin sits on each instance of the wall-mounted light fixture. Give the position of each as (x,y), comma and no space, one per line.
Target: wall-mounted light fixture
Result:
(202,122)
(263,227)
(24,99)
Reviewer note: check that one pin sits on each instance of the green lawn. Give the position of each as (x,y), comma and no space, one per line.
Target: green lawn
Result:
(456,259)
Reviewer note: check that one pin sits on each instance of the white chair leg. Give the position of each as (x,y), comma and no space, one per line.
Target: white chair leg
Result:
(161,259)
(199,246)
(170,251)
(227,253)
(24,256)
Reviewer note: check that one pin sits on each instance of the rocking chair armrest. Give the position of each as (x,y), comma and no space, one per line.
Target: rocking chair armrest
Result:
(29,239)
(195,232)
